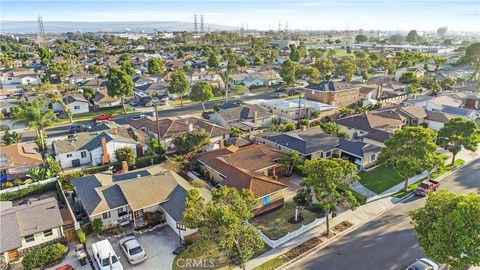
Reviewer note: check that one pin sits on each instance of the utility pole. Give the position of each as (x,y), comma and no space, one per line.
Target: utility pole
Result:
(158,123)
(299,108)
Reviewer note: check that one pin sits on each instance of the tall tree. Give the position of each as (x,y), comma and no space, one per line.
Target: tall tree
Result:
(179,84)
(361,39)
(290,160)
(32,114)
(458,132)
(156,66)
(295,54)
(331,179)
(288,72)
(347,68)
(222,222)
(201,91)
(410,151)
(213,60)
(192,141)
(58,71)
(325,66)
(128,68)
(45,56)
(125,154)
(413,36)
(448,228)
(442,31)
(226,81)
(119,84)
(89,93)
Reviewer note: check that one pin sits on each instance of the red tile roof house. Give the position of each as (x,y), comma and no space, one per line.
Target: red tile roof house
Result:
(173,126)
(251,167)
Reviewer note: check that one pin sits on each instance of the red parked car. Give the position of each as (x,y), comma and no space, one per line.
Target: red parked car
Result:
(103,117)
(426,187)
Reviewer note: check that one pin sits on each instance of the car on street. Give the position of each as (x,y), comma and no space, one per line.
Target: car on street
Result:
(79,128)
(134,103)
(423,264)
(133,250)
(282,95)
(105,256)
(102,117)
(426,187)
(139,117)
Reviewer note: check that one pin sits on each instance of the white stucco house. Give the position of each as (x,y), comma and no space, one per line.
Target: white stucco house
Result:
(76,102)
(92,148)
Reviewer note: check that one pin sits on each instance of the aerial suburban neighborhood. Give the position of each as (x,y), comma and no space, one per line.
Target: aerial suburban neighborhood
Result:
(240,135)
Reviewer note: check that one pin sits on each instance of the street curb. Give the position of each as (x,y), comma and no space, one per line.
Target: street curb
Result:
(356,226)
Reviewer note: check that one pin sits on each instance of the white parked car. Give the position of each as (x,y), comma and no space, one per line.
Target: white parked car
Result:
(133,250)
(139,117)
(105,255)
(423,264)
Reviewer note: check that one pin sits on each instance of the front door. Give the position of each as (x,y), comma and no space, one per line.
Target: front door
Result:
(76,163)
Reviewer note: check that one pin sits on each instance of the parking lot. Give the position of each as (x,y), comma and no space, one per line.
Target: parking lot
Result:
(158,245)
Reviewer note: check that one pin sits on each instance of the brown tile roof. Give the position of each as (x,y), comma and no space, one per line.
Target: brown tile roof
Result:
(170,127)
(238,166)
(21,154)
(365,90)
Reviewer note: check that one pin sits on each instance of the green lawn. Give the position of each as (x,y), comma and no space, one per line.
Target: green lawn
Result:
(340,53)
(275,225)
(380,179)
(434,175)
(88,116)
(272,264)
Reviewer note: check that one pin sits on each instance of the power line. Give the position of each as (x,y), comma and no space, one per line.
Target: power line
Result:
(195,23)
(202,29)
(41,30)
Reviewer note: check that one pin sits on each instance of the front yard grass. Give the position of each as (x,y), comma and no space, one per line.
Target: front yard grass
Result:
(380,179)
(275,225)
(436,174)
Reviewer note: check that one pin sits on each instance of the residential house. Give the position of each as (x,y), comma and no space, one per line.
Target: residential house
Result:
(419,72)
(79,78)
(251,167)
(362,154)
(465,113)
(19,77)
(368,94)
(127,198)
(173,126)
(203,75)
(435,120)
(29,225)
(251,81)
(372,127)
(472,101)
(158,88)
(431,103)
(139,81)
(103,100)
(338,94)
(288,109)
(75,102)
(16,159)
(245,116)
(94,148)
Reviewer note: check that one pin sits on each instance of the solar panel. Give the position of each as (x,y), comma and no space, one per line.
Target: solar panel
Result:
(455,110)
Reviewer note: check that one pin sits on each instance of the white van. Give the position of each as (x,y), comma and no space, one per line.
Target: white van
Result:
(104,254)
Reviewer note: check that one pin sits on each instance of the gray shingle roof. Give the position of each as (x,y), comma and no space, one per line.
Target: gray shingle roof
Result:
(175,204)
(357,148)
(91,141)
(243,112)
(307,141)
(26,219)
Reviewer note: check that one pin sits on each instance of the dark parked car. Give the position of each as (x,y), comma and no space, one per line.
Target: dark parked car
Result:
(79,128)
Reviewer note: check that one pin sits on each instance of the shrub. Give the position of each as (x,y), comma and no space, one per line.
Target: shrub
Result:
(198,183)
(317,208)
(147,161)
(65,179)
(303,197)
(97,226)
(126,154)
(81,236)
(27,191)
(44,256)
(153,218)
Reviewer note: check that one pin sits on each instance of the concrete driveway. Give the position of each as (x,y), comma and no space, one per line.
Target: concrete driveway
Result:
(158,244)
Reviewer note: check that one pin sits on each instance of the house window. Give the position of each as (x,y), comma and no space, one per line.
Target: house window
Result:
(76,107)
(47,233)
(84,154)
(222,176)
(329,153)
(69,155)
(106,215)
(122,211)
(266,200)
(373,157)
(29,238)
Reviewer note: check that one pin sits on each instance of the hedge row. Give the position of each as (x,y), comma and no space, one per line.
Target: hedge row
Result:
(28,191)
(44,256)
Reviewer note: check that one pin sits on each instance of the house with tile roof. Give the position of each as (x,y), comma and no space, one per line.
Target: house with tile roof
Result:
(16,159)
(126,198)
(93,148)
(173,126)
(252,167)
(28,225)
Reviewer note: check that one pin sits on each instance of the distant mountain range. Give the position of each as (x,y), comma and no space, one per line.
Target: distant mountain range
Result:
(29,27)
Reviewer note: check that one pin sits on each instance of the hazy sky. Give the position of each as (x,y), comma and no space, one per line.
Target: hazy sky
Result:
(264,14)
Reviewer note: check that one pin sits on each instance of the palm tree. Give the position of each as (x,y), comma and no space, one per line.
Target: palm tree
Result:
(32,114)
(38,174)
(57,96)
(226,80)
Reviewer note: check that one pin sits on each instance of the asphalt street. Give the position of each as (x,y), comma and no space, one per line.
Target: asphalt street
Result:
(388,241)
(188,109)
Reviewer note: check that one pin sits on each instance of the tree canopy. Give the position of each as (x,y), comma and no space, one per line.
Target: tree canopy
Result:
(288,72)
(361,39)
(458,132)
(410,151)
(179,84)
(191,141)
(448,228)
(155,66)
(201,91)
(119,84)
(222,222)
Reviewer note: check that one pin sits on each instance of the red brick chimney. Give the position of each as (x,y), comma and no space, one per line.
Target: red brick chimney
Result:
(105,155)
(124,166)
(221,143)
